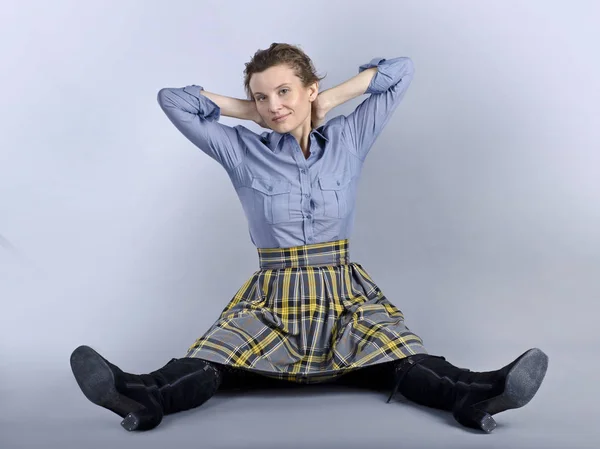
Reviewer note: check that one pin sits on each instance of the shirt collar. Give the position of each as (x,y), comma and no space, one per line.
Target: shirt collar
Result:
(276,137)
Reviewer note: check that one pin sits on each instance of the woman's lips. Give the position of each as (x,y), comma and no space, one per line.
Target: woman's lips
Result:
(281,118)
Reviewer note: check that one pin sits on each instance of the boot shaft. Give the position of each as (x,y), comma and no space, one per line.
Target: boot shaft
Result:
(435,382)
(185,383)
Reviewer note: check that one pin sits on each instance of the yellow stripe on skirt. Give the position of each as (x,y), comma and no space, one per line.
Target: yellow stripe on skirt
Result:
(308,315)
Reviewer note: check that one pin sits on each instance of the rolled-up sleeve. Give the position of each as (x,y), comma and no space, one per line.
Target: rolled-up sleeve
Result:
(196,117)
(387,88)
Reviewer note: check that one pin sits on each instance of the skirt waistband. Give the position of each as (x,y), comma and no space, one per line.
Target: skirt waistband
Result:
(329,253)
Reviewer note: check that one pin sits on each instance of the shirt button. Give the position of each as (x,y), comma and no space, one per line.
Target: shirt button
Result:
(306,195)
(309,216)
(338,183)
(269,188)
(303,171)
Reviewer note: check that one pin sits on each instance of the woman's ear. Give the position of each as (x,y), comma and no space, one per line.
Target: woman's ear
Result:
(313,91)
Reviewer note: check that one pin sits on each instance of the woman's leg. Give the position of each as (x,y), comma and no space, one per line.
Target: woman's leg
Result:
(472,397)
(142,400)
(242,379)
(378,377)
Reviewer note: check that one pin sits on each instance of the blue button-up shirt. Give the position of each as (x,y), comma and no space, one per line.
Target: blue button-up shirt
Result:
(288,199)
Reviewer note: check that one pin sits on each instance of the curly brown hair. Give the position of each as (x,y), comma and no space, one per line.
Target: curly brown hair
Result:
(279,53)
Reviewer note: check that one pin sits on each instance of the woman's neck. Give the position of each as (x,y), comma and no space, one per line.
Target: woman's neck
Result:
(302,134)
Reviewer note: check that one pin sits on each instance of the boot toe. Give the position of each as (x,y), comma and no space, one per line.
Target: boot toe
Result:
(521,382)
(95,379)
(525,377)
(97,382)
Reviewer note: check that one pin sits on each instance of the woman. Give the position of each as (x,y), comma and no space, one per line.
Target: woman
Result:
(308,314)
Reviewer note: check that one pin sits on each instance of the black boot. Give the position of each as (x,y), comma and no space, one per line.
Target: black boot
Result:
(473,397)
(142,400)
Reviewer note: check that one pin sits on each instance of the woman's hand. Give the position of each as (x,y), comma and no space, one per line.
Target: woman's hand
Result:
(261,122)
(255,116)
(319,110)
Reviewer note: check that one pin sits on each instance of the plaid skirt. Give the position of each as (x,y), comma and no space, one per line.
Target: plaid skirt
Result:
(308,315)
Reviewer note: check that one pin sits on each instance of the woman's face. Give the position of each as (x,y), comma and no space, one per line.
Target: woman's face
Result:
(281,100)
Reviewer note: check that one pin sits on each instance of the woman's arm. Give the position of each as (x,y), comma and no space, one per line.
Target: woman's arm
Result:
(235,107)
(196,116)
(335,96)
(387,81)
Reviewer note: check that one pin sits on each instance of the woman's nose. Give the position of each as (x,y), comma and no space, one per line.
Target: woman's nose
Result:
(274,105)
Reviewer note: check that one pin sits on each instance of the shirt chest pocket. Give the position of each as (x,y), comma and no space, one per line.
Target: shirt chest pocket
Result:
(272,198)
(336,190)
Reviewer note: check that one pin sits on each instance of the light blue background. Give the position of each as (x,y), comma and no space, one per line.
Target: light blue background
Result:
(111,237)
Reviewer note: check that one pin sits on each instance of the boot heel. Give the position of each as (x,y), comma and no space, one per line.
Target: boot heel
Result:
(475,419)
(141,420)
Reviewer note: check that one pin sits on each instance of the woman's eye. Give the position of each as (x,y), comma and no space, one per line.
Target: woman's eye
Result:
(284,91)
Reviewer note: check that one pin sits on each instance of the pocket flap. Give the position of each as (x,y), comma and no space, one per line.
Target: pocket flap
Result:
(334,181)
(271,186)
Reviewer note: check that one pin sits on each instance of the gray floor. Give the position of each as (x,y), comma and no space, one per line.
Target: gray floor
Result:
(560,416)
